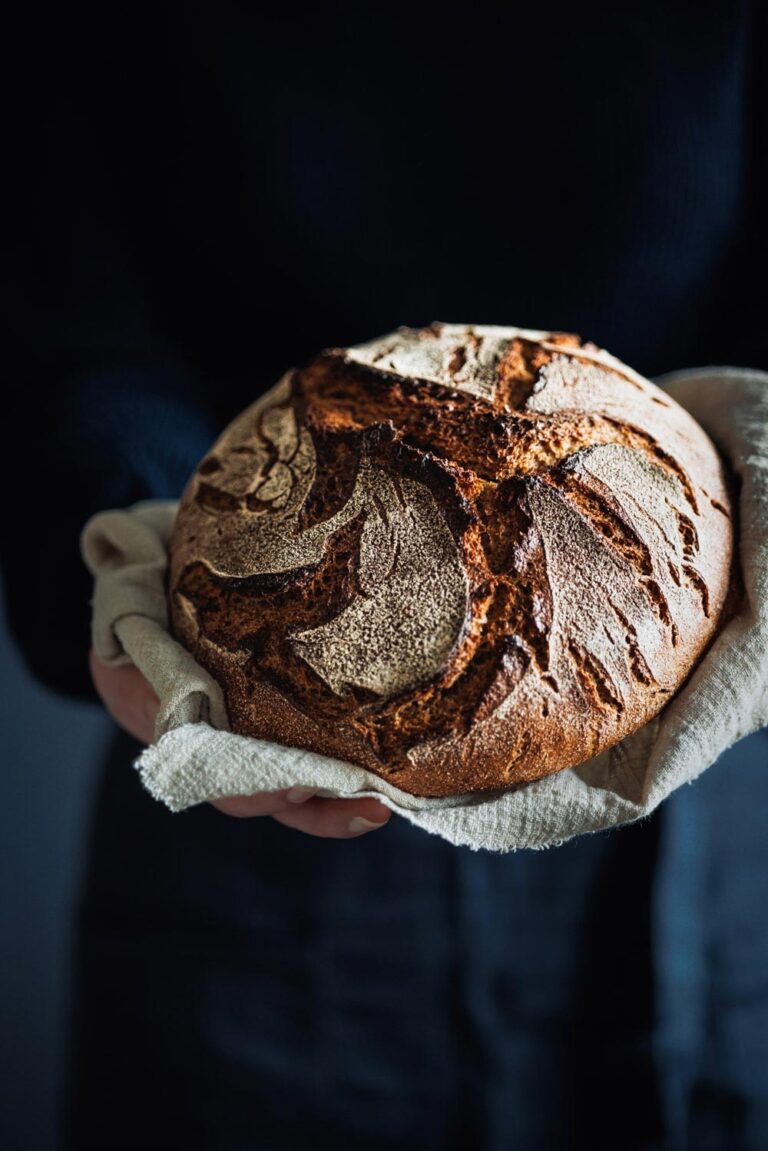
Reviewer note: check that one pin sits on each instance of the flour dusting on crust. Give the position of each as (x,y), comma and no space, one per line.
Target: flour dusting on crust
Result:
(463,556)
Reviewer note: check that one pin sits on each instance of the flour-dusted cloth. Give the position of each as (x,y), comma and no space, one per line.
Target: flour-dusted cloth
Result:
(197,758)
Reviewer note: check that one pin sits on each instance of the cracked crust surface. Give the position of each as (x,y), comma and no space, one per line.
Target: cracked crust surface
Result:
(463,556)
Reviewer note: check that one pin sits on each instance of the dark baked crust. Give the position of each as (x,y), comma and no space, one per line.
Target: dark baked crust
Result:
(461,579)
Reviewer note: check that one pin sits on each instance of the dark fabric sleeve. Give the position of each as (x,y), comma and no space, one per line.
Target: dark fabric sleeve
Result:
(754,325)
(106,409)
(109,440)
(743,336)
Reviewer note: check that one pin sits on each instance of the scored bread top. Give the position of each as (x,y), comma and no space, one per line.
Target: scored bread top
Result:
(463,556)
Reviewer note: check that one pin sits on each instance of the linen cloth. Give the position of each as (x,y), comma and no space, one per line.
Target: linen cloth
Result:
(197,758)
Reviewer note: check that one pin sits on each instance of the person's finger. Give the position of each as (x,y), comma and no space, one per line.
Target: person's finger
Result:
(131,701)
(336,818)
(127,696)
(324,817)
(247,806)
(287,800)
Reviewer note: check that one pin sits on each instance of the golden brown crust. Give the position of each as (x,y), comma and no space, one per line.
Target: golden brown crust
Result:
(463,556)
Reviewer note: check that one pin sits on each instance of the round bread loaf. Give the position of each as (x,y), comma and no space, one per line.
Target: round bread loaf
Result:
(463,556)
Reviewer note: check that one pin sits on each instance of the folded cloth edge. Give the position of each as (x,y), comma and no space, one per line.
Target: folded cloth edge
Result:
(184,766)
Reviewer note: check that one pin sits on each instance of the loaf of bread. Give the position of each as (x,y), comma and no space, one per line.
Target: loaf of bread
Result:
(463,556)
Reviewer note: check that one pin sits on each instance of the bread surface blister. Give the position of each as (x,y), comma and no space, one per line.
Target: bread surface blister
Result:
(462,556)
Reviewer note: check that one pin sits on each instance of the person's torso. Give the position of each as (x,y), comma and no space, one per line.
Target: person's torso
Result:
(295,183)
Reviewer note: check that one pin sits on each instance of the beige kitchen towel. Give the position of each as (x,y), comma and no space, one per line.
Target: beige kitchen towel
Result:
(196,757)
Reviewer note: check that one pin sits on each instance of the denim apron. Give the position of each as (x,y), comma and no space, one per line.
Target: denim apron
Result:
(241,985)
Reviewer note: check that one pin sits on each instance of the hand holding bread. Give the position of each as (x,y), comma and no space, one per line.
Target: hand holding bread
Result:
(133,704)
(197,754)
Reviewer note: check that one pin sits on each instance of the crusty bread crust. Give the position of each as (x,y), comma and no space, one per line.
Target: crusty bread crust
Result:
(462,556)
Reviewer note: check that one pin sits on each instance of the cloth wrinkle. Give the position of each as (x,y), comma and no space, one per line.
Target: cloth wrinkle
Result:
(196,757)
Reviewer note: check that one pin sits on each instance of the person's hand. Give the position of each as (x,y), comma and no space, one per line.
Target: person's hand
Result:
(133,704)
